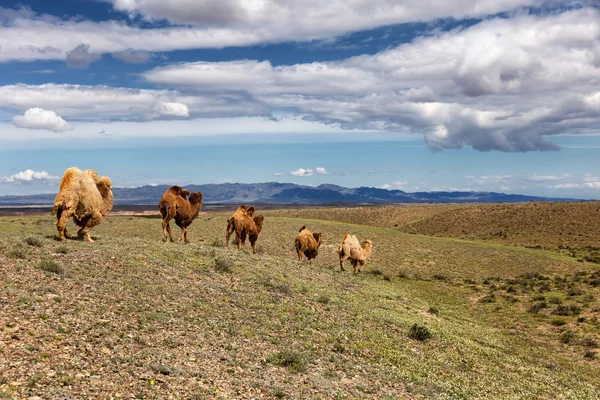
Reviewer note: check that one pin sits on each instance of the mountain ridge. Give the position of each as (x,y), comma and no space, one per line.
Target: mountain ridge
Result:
(290,193)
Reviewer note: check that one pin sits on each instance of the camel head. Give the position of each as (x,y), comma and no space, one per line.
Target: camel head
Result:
(258,221)
(104,185)
(367,247)
(195,198)
(317,236)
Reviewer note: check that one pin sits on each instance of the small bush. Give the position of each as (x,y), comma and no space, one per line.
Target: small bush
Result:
(589,341)
(555,300)
(589,354)
(434,310)
(570,309)
(558,322)
(489,298)
(323,299)
(403,274)
(439,277)
(223,265)
(539,297)
(291,359)
(575,291)
(280,394)
(51,266)
(387,278)
(567,336)
(537,307)
(18,252)
(376,272)
(419,332)
(33,241)
(62,249)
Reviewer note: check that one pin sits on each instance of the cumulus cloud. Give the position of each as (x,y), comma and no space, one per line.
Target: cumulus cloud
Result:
(592,185)
(321,171)
(495,84)
(302,172)
(397,185)
(101,101)
(301,19)
(221,23)
(132,57)
(29,176)
(38,118)
(81,57)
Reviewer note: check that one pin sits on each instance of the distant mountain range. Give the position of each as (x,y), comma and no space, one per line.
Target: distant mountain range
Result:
(289,193)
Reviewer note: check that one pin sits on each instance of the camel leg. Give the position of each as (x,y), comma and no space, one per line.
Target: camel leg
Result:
(342,264)
(166,229)
(227,236)
(362,263)
(184,232)
(61,225)
(84,233)
(354,264)
(253,243)
(243,240)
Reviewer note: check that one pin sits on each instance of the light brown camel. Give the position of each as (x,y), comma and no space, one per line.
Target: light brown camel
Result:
(307,243)
(244,223)
(175,203)
(357,253)
(86,197)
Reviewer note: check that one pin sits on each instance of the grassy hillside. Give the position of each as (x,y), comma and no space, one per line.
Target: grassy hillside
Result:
(385,216)
(130,316)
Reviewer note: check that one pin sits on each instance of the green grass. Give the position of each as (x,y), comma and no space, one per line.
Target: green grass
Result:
(199,318)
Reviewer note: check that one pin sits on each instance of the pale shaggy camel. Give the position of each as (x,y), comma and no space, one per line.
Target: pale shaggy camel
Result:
(86,197)
(175,203)
(307,243)
(244,224)
(357,253)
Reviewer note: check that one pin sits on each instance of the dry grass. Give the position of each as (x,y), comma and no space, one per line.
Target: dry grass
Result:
(138,318)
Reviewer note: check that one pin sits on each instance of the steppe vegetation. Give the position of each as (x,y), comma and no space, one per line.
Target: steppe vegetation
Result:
(459,316)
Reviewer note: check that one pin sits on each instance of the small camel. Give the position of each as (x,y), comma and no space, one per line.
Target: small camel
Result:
(357,253)
(307,243)
(244,223)
(175,204)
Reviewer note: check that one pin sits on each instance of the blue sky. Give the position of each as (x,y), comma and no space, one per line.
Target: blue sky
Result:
(485,95)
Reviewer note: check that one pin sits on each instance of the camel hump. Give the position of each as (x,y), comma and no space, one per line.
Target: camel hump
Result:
(346,237)
(250,210)
(303,228)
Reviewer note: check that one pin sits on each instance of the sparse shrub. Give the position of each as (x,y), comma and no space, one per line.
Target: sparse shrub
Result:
(555,300)
(589,354)
(544,287)
(570,309)
(403,274)
(434,310)
(558,322)
(17,252)
(387,277)
(567,336)
(589,341)
(470,281)
(537,307)
(51,266)
(376,272)
(323,299)
(539,297)
(439,277)
(218,242)
(223,265)
(33,241)
(419,332)
(574,291)
(62,249)
(580,319)
(280,394)
(488,298)
(291,359)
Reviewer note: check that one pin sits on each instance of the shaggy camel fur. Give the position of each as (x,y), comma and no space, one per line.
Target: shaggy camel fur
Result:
(308,243)
(357,253)
(175,203)
(244,223)
(86,197)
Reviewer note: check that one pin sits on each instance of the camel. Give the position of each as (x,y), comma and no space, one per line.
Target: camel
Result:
(244,223)
(308,243)
(357,253)
(175,203)
(86,197)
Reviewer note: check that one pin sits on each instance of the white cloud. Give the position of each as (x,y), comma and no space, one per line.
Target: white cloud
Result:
(172,109)
(566,186)
(81,57)
(38,118)
(302,172)
(96,102)
(321,171)
(491,86)
(28,176)
(309,18)
(398,185)
(278,174)
(545,178)
(132,57)
(592,185)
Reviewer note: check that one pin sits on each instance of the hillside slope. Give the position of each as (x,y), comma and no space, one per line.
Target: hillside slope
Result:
(130,316)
